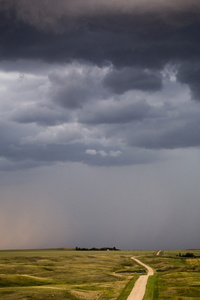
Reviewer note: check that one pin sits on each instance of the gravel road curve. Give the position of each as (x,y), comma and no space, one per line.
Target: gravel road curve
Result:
(139,288)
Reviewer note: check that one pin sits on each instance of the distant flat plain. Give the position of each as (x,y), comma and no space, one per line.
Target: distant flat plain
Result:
(69,274)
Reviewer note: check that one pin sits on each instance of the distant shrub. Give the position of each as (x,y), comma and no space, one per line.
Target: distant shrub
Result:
(188,254)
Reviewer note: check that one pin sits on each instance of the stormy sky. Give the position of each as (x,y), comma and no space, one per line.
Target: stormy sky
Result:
(99,124)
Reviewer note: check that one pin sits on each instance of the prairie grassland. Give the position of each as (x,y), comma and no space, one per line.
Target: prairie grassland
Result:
(176,278)
(63,274)
(67,274)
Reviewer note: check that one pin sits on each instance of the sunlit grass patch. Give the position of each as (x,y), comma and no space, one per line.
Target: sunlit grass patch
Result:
(152,288)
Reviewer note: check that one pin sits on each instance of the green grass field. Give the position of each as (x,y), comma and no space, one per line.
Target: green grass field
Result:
(176,278)
(64,274)
(68,274)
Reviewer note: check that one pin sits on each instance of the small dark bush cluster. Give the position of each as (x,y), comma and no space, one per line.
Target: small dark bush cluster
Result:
(188,254)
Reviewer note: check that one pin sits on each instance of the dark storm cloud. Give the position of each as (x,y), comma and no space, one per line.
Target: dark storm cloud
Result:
(125,39)
(165,127)
(189,73)
(107,52)
(128,36)
(23,66)
(120,81)
(48,14)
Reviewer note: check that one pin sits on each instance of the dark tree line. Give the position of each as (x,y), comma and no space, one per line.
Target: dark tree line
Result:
(97,249)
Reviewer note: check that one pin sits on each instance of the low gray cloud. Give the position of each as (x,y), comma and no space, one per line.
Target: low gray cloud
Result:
(41,115)
(122,80)
(31,156)
(171,136)
(9,137)
(77,86)
(116,113)
(43,128)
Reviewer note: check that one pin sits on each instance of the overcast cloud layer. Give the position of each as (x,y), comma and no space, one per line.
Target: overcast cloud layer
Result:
(102,84)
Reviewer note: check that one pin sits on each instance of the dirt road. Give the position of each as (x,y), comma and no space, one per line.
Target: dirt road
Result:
(139,288)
